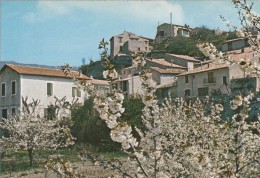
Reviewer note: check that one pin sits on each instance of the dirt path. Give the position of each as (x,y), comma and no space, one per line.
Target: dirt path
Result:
(87,169)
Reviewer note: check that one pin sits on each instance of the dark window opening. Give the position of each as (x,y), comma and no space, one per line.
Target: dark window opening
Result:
(161,33)
(186,79)
(187,92)
(13,88)
(225,80)
(3,89)
(124,86)
(49,89)
(13,111)
(210,77)
(185,32)
(4,113)
(203,91)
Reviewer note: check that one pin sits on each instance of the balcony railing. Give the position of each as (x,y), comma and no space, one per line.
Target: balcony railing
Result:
(207,81)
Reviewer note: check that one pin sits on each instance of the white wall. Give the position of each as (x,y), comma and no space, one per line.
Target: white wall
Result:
(9,101)
(35,87)
(197,81)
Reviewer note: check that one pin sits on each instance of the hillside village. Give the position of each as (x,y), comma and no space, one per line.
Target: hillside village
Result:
(174,75)
(183,103)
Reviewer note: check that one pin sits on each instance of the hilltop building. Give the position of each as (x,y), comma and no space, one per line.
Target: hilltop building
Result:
(127,42)
(214,78)
(165,31)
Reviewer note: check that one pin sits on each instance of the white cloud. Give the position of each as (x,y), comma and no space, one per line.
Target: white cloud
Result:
(152,11)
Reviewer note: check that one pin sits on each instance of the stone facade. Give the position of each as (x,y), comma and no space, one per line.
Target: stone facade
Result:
(166,30)
(127,42)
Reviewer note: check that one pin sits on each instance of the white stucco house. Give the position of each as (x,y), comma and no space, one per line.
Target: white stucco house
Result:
(166,82)
(36,83)
(102,87)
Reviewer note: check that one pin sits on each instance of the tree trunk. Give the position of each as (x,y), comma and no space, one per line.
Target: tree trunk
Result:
(30,153)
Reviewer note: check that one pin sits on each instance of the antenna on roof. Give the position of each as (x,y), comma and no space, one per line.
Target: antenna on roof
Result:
(171,23)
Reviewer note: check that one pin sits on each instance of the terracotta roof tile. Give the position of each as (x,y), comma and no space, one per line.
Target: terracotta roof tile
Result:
(168,71)
(213,66)
(237,54)
(44,72)
(188,58)
(165,63)
(231,40)
(99,82)
(173,84)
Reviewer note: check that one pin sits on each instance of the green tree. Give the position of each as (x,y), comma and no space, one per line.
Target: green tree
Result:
(88,128)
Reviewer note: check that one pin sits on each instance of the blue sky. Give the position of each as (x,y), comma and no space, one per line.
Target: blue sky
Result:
(59,32)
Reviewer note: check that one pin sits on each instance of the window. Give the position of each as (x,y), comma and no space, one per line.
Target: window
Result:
(74,91)
(203,91)
(124,85)
(3,89)
(13,87)
(187,92)
(78,93)
(121,48)
(185,32)
(49,89)
(139,49)
(186,79)
(145,48)
(210,77)
(120,40)
(13,111)
(225,80)
(4,113)
(161,33)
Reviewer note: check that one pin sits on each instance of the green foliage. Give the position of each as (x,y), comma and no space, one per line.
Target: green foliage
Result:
(133,112)
(88,128)
(183,46)
(187,46)
(94,69)
(51,112)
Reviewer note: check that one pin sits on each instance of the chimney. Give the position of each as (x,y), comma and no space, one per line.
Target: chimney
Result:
(80,73)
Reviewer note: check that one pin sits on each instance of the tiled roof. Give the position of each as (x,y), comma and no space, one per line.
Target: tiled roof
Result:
(99,82)
(125,79)
(188,58)
(166,85)
(168,71)
(234,55)
(236,39)
(165,63)
(44,72)
(237,54)
(213,66)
